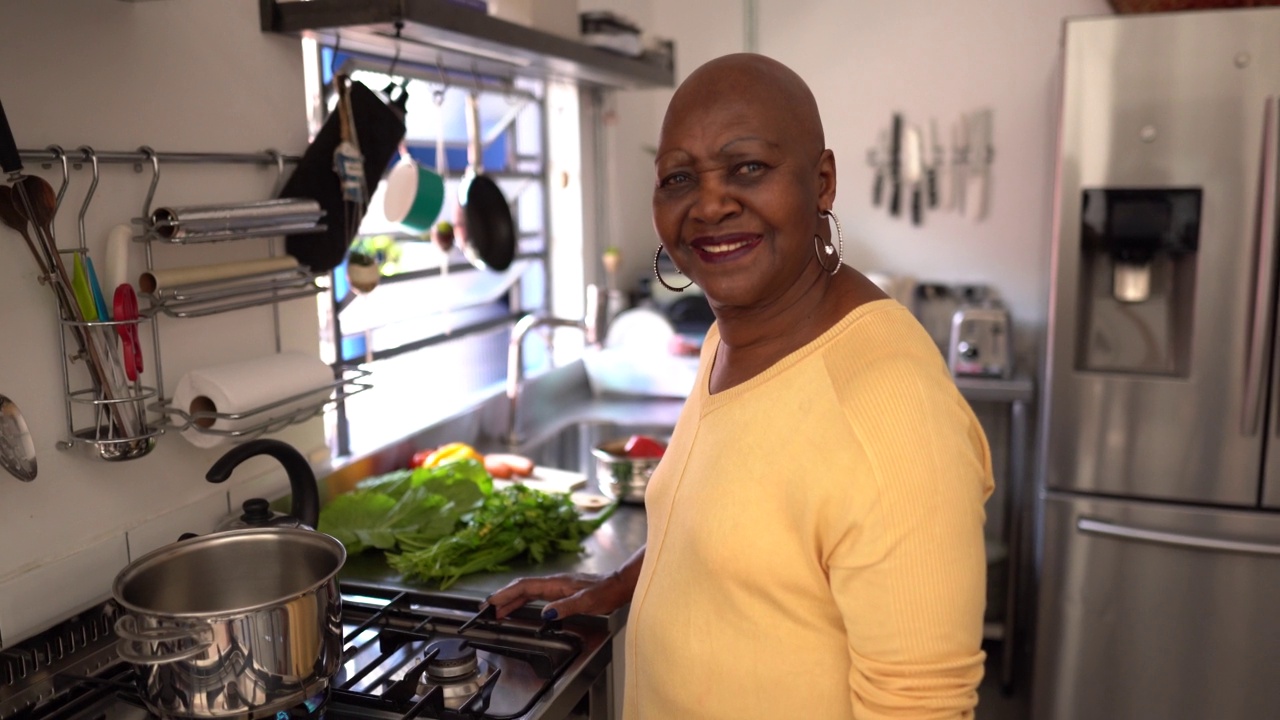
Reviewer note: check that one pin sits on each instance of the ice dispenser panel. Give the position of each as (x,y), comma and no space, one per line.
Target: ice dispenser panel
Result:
(1137,279)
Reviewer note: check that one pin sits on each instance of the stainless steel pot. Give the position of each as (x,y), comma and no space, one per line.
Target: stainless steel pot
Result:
(237,624)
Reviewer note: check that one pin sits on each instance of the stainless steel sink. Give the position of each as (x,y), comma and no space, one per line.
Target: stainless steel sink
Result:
(569,446)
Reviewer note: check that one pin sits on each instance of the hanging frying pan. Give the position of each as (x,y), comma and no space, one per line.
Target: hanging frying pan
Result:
(487,234)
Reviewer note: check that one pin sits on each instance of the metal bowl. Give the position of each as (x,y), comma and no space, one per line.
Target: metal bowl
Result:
(620,477)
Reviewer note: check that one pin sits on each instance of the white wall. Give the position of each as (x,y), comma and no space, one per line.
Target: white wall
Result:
(180,76)
(865,60)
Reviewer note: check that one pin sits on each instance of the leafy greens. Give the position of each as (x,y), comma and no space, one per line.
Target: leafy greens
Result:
(438,524)
(512,523)
(418,505)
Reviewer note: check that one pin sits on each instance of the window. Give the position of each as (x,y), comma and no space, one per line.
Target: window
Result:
(434,331)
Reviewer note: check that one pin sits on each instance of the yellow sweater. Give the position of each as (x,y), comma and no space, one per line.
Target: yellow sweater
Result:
(815,545)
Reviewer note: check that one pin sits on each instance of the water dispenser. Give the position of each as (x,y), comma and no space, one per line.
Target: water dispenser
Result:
(1137,279)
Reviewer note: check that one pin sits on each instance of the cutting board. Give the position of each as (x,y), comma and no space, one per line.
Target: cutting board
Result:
(548,480)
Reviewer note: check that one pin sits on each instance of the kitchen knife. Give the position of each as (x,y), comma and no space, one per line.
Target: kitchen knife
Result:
(960,149)
(881,162)
(976,179)
(933,151)
(895,166)
(913,171)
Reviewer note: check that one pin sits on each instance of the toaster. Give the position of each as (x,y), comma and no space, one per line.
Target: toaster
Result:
(980,343)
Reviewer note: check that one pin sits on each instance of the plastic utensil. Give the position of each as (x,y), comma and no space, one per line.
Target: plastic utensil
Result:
(126,312)
(83,292)
(115,261)
(99,301)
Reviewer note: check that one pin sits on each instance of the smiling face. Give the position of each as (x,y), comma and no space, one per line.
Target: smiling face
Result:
(741,178)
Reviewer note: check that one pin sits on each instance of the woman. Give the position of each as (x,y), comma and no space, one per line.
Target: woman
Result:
(815,528)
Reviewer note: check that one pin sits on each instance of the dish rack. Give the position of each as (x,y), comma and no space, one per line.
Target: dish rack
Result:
(121,420)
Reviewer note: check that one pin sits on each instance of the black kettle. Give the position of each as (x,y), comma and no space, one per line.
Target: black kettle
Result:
(305,509)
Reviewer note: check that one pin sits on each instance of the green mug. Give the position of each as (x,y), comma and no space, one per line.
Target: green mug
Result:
(415,196)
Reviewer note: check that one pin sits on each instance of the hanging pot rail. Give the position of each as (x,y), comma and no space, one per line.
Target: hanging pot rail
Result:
(48,155)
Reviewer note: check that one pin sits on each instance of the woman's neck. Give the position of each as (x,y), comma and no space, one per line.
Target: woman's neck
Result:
(752,340)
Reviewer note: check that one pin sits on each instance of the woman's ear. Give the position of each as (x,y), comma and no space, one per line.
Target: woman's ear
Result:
(827,180)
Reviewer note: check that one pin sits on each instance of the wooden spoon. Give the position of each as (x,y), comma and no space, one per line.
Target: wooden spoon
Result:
(40,209)
(10,216)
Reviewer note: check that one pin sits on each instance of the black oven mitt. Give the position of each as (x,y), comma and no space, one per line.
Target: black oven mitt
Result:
(379,129)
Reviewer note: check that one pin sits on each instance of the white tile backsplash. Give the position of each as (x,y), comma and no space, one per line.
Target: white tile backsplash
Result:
(199,517)
(32,601)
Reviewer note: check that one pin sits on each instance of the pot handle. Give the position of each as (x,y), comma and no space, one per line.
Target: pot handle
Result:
(134,643)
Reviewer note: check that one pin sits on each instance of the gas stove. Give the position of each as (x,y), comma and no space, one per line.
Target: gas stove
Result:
(406,655)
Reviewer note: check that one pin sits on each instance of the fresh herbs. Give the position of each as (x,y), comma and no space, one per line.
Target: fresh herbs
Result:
(515,522)
(440,523)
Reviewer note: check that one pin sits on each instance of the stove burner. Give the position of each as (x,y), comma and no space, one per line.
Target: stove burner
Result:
(456,660)
(313,708)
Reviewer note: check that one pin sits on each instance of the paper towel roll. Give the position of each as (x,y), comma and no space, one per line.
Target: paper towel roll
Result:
(244,386)
(158,280)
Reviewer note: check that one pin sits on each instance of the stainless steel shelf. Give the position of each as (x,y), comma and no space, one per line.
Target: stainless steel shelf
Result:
(438,32)
(1018,393)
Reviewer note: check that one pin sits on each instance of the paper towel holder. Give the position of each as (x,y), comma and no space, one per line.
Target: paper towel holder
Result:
(202,417)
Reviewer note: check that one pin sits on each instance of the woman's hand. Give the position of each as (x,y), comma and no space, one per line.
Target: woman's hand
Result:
(572,594)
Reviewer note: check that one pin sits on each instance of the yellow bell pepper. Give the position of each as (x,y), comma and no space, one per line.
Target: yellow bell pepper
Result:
(451,452)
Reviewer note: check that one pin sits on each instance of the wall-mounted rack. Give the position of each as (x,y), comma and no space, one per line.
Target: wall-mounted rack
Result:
(917,170)
(127,418)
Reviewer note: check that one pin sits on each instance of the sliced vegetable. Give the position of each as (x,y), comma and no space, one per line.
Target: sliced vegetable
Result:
(498,469)
(509,465)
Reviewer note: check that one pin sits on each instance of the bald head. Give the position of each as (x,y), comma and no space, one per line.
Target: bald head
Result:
(754,85)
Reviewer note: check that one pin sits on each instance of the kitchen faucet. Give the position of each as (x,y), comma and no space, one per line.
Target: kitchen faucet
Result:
(592,327)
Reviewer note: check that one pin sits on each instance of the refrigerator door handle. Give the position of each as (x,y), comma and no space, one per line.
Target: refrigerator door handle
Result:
(1160,537)
(1260,322)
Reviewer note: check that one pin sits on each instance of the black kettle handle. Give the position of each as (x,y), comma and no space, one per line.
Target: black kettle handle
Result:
(302,480)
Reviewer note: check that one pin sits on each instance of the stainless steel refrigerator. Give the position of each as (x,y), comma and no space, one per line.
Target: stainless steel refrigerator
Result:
(1159,532)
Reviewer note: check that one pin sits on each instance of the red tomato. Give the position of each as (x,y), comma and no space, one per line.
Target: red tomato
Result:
(643,446)
(420,457)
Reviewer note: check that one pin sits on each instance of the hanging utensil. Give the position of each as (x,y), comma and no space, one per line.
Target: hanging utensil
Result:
(932,156)
(10,216)
(442,232)
(126,313)
(895,166)
(34,202)
(913,171)
(488,233)
(380,128)
(17,450)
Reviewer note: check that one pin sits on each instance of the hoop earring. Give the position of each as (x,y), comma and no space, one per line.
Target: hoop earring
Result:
(823,249)
(658,275)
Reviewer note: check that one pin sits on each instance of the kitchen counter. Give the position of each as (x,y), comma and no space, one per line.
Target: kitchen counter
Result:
(610,546)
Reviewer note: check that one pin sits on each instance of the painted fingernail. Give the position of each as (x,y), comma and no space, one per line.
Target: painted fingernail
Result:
(550,614)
